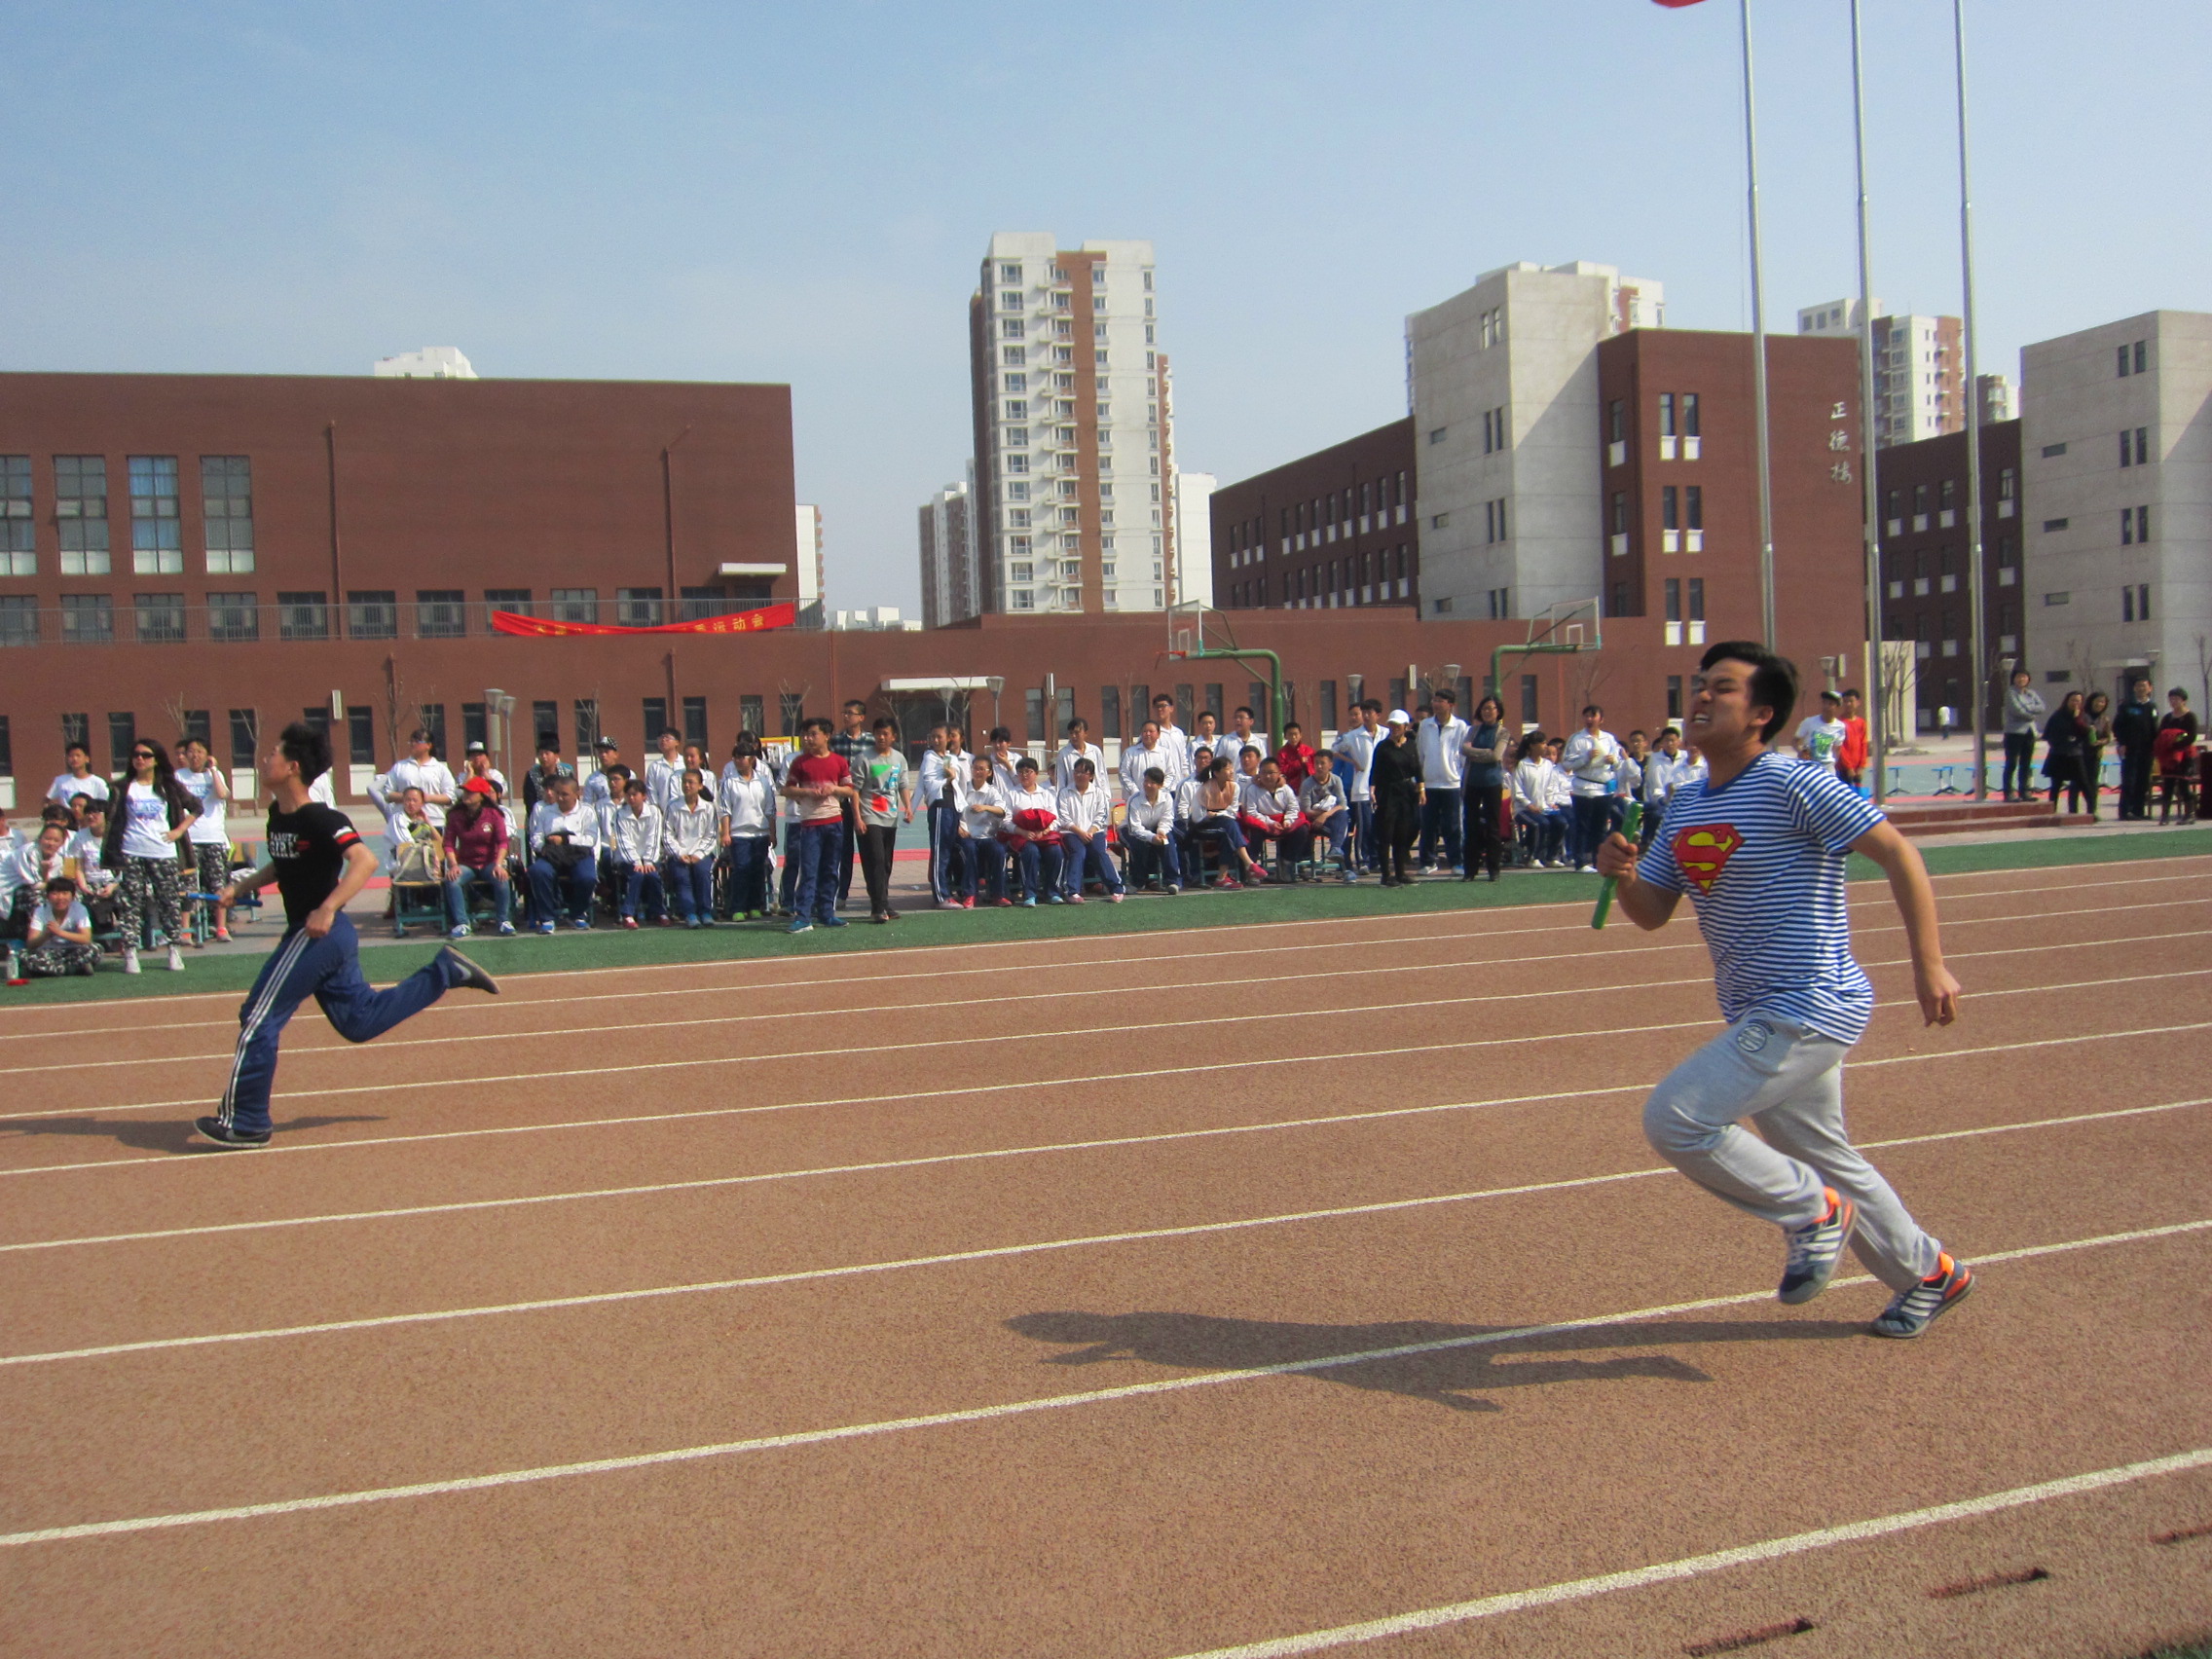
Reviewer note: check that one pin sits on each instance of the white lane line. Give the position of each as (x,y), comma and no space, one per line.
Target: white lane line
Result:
(987,1414)
(1715,1561)
(996,1252)
(783,1016)
(861,975)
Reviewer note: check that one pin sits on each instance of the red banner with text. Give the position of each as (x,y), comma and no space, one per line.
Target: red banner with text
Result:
(784,615)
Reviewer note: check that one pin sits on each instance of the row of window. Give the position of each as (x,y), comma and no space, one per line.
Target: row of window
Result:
(1357,578)
(80,515)
(1010,275)
(435,613)
(1679,418)
(1354,510)
(1017,357)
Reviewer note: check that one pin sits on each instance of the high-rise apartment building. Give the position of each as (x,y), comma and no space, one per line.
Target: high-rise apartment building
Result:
(2117,572)
(948,557)
(1504,400)
(1919,369)
(1074,475)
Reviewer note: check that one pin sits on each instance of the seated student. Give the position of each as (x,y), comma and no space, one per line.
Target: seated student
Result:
(634,849)
(746,814)
(1002,759)
(690,841)
(1219,798)
(1191,813)
(25,868)
(1295,756)
(1559,785)
(1267,810)
(1149,836)
(476,838)
(1031,835)
(417,851)
(1328,814)
(1543,824)
(1087,813)
(563,856)
(60,935)
(981,807)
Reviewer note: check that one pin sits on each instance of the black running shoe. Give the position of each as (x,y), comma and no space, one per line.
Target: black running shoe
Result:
(1816,1249)
(471,975)
(216,1132)
(1912,1312)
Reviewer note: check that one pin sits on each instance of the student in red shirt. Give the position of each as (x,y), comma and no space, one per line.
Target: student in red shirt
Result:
(1850,753)
(1295,756)
(819,784)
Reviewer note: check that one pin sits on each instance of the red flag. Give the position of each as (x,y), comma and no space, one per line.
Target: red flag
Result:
(784,615)
(1677,5)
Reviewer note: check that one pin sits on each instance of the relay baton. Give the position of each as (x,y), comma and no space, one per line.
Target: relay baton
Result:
(1629,827)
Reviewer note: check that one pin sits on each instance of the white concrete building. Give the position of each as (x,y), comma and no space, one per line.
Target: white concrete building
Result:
(1919,369)
(430,362)
(947,538)
(1503,388)
(806,557)
(1073,429)
(2116,441)
(1194,538)
(875,620)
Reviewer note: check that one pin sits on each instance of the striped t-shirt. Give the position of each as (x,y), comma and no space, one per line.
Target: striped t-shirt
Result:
(1762,859)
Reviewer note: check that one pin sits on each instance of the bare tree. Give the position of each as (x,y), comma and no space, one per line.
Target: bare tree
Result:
(1595,671)
(2204,669)
(1894,692)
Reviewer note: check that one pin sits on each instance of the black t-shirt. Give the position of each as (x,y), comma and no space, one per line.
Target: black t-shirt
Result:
(308,847)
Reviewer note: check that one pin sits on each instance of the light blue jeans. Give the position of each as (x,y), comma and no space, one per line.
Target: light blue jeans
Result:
(1789,1081)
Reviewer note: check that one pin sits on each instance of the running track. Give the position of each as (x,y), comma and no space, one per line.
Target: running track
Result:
(1283,1289)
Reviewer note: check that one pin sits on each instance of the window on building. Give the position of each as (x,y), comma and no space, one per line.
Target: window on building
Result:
(545,726)
(440,614)
(87,619)
(1697,599)
(159,618)
(1946,493)
(695,720)
(1616,422)
(1619,606)
(1620,512)
(2127,526)
(2053,451)
(2142,356)
(1920,503)
(2007,484)
(1667,415)
(234,618)
(2143,524)
(244,739)
(515,601)
(585,727)
(302,616)
(1436,434)
(1673,592)
(372,614)
(1530,714)
(226,513)
(156,546)
(654,722)
(1669,508)
(80,511)
(1693,506)
(575,605)
(122,738)
(1689,415)
(751,713)
(18,537)
(1674,696)
(475,724)
(7,750)
(2055,524)
(361,737)
(638,608)
(18,620)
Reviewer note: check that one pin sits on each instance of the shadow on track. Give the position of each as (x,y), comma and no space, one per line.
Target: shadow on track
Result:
(159,1136)
(1446,1377)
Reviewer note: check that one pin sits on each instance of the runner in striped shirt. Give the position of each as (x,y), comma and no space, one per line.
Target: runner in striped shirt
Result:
(1760,846)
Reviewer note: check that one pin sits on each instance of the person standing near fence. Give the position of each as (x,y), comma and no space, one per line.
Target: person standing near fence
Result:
(153,813)
(2024,712)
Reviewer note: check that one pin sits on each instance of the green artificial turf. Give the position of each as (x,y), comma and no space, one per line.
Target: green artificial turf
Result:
(612,948)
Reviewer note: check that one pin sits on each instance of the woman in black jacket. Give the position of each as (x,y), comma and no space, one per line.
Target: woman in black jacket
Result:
(2067,737)
(1394,777)
(149,813)
(1487,751)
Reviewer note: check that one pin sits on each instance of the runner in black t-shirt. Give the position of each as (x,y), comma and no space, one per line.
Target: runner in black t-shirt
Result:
(319,863)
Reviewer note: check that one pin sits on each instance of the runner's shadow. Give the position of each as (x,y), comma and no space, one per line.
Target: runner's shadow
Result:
(153,1135)
(1481,1357)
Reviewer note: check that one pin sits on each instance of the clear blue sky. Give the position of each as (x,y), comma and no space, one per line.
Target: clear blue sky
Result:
(801,193)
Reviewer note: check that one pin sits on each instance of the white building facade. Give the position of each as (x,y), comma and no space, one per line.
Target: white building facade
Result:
(1073,503)
(429,362)
(2116,441)
(1919,370)
(1504,389)
(1193,569)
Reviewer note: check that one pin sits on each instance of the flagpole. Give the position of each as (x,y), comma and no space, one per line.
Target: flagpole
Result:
(1978,630)
(1759,349)
(1877,748)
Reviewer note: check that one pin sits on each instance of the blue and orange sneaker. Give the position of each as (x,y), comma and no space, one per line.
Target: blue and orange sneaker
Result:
(1912,1312)
(1816,1249)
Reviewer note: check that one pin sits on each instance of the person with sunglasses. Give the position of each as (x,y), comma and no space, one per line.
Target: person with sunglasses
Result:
(153,813)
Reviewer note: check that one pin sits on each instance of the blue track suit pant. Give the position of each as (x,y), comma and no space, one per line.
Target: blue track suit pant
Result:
(328,970)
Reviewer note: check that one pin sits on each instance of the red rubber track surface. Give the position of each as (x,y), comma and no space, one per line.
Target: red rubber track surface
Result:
(1002,1297)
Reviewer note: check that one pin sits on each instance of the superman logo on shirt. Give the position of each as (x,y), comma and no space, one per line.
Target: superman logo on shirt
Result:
(1703,851)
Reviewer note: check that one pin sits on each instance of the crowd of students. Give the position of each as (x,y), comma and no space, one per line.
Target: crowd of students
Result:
(2154,748)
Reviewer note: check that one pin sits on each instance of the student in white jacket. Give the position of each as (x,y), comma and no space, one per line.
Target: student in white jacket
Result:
(634,839)
(1087,813)
(745,811)
(690,841)
(1536,785)
(1151,751)
(1149,834)
(980,805)
(1077,746)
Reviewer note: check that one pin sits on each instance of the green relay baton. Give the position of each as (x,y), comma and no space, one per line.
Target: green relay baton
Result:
(1629,827)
